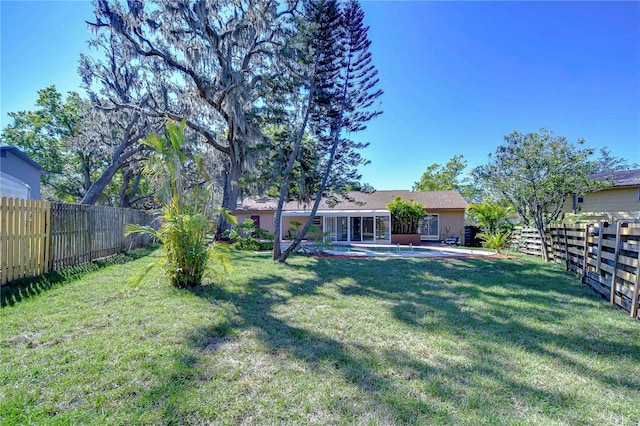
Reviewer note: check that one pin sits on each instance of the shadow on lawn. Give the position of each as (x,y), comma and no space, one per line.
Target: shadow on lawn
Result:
(471,299)
(466,298)
(26,288)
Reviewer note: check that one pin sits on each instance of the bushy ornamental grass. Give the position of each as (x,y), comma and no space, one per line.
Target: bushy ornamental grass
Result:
(185,223)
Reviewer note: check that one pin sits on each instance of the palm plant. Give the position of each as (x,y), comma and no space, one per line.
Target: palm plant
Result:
(185,222)
(493,218)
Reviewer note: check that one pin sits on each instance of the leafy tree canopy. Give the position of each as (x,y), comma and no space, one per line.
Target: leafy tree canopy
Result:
(448,177)
(442,177)
(535,172)
(89,152)
(406,215)
(607,163)
(42,134)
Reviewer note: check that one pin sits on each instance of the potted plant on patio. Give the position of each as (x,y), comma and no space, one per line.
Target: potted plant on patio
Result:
(405,219)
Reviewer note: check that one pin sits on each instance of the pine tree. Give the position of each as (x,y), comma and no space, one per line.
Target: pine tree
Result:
(318,54)
(346,79)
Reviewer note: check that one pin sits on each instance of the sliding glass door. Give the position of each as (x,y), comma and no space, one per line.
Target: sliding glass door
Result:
(356,229)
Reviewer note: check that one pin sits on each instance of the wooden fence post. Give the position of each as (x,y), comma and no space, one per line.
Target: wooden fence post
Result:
(566,247)
(599,258)
(5,240)
(614,275)
(11,254)
(636,290)
(586,250)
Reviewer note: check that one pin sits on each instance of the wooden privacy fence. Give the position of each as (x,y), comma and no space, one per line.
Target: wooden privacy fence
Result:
(607,256)
(38,237)
(24,238)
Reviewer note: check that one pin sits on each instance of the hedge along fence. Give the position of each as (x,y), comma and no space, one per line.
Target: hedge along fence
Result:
(607,256)
(38,237)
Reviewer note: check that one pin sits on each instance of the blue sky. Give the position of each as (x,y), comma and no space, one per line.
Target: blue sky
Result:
(457,76)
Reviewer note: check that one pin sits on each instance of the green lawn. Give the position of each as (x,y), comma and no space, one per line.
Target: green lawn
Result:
(323,341)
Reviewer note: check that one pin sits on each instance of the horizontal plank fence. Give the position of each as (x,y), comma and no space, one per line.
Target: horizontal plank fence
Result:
(38,236)
(607,256)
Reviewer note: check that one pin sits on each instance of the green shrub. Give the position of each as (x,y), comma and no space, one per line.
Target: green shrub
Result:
(494,219)
(406,215)
(184,224)
(246,236)
(294,231)
(495,240)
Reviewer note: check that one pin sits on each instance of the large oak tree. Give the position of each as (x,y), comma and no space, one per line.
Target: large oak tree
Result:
(343,93)
(211,60)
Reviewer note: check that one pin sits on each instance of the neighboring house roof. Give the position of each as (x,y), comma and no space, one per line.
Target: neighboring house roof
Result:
(15,151)
(620,179)
(378,200)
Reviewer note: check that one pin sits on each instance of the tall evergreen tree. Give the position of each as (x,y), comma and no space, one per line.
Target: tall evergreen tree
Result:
(318,49)
(346,81)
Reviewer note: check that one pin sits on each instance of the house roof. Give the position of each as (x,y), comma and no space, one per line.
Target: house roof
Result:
(24,157)
(620,179)
(378,200)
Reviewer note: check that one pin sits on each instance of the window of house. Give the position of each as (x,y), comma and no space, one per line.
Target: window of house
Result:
(429,226)
(580,199)
(382,227)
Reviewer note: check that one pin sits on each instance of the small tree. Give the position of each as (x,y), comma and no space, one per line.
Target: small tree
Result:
(185,220)
(405,215)
(493,218)
(535,172)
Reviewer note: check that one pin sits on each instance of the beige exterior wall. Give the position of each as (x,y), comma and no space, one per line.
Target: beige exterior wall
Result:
(616,203)
(286,225)
(266,219)
(451,223)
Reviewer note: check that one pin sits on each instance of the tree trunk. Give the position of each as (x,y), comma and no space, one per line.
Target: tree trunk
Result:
(231,190)
(543,239)
(126,197)
(95,191)
(86,172)
(336,138)
(284,186)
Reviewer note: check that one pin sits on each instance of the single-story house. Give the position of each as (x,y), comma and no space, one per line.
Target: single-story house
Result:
(362,217)
(621,201)
(20,175)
